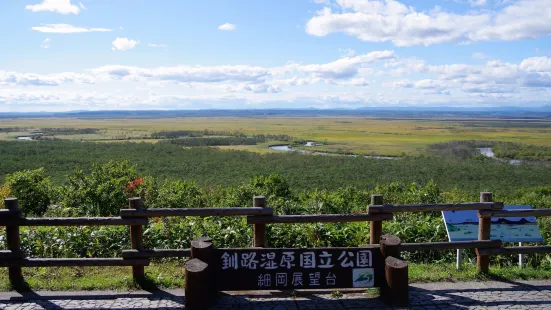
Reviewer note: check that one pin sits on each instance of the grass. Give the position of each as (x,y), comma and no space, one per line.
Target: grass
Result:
(171,275)
(339,134)
(163,275)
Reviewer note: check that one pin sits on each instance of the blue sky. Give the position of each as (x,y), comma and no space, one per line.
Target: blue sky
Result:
(58,55)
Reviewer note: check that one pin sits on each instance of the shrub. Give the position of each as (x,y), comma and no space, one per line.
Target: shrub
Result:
(33,190)
(103,191)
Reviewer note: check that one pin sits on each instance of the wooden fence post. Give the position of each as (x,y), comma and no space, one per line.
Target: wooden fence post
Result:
(376,227)
(136,239)
(395,289)
(200,285)
(259,229)
(14,243)
(484,229)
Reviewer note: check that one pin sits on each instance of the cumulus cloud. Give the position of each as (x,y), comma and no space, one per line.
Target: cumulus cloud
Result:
(124,44)
(346,67)
(371,78)
(227,27)
(66,28)
(34,79)
(186,74)
(58,6)
(536,64)
(391,20)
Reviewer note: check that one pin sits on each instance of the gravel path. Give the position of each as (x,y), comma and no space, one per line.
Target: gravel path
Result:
(467,295)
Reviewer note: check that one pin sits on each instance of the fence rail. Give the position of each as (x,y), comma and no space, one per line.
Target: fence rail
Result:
(431,246)
(259,215)
(318,218)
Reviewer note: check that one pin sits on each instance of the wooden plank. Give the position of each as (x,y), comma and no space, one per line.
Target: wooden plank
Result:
(436,207)
(156,253)
(73,262)
(13,241)
(318,218)
(74,221)
(257,268)
(484,229)
(516,250)
(396,290)
(259,230)
(515,213)
(196,212)
(197,281)
(10,255)
(375,227)
(9,213)
(412,247)
(136,238)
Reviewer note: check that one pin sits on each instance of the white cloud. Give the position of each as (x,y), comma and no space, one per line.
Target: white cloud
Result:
(186,74)
(346,67)
(391,20)
(227,27)
(536,64)
(124,44)
(365,79)
(45,43)
(58,6)
(66,28)
(157,45)
(34,79)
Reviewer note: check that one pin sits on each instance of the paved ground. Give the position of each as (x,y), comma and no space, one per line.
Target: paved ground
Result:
(468,295)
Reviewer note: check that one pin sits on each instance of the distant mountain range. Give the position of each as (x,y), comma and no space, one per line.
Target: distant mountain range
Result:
(378,112)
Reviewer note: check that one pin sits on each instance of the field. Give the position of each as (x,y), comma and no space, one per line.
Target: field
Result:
(90,167)
(358,135)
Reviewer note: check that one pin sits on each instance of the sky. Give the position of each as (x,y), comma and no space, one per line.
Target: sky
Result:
(63,55)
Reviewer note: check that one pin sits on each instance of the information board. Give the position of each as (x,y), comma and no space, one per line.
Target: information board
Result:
(463,226)
(267,269)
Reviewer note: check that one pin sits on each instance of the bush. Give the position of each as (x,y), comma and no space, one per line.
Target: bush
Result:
(33,190)
(103,191)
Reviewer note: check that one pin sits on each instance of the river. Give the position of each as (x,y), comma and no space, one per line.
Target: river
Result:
(488,152)
(287,148)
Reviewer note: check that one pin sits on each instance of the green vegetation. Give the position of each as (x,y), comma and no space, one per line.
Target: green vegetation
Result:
(358,135)
(210,167)
(104,190)
(522,151)
(180,163)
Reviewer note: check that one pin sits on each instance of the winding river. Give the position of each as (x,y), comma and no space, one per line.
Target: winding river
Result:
(287,148)
(488,152)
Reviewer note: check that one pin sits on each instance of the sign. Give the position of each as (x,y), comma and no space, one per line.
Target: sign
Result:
(463,226)
(279,269)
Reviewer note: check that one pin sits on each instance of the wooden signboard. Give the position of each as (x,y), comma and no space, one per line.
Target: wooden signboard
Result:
(280,269)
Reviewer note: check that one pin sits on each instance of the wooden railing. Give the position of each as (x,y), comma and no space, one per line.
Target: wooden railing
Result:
(259,215)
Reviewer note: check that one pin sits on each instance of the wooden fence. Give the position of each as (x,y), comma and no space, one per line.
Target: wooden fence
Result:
(259,215)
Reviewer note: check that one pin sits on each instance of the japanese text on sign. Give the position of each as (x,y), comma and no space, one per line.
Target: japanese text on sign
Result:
(289,260)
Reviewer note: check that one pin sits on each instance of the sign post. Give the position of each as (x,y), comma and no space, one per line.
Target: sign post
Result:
(283,269)
(211,270)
